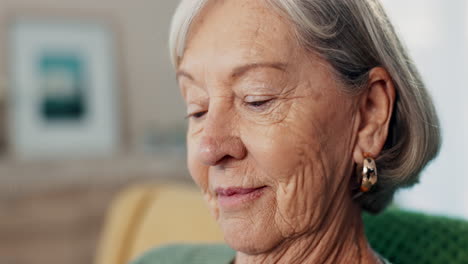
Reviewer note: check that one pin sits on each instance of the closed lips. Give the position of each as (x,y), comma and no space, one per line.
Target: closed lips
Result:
(236,191)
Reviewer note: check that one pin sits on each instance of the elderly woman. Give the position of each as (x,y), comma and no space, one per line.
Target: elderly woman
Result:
(302,114)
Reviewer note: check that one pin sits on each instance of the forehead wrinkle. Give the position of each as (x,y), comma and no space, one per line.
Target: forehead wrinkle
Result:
(263,25)
(259,41)
(265,36)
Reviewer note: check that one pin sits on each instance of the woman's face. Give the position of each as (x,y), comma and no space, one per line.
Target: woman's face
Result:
(271,133)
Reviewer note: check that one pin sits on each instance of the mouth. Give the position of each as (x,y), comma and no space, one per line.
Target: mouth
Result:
(236,197)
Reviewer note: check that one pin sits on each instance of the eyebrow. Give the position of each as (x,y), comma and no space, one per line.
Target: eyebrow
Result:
(245,68)
(239,71)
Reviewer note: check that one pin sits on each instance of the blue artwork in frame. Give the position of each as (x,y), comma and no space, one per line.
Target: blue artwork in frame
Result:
(63,88)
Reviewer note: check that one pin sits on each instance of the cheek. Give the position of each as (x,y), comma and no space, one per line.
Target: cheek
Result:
(301,197)
(295,168)
(295,159)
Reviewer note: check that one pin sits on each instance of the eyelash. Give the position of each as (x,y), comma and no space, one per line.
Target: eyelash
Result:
(196,115)
(259,104)
(255,104)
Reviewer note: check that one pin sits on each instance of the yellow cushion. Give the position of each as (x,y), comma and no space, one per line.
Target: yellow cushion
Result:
(146,216)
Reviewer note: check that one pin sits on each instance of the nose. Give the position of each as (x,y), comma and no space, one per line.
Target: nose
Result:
(215,150)
(219,144)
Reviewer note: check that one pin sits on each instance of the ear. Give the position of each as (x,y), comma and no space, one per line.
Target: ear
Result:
(375,112)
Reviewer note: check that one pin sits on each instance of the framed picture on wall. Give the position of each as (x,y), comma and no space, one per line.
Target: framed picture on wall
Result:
(63,88)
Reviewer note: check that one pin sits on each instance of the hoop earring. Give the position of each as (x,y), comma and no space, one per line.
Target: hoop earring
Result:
(369,173)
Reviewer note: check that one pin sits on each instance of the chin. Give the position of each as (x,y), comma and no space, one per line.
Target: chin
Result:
(251,238)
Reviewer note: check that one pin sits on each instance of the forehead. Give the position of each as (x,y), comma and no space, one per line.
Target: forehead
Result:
(232,32)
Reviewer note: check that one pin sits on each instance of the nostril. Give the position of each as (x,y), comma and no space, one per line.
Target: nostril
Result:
(224,159)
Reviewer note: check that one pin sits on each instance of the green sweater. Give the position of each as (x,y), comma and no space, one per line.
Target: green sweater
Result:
(190,254)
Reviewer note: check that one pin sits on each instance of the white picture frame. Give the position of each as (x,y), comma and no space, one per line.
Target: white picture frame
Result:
(63,88)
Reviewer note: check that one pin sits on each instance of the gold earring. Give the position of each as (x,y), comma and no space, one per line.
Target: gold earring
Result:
(369,173)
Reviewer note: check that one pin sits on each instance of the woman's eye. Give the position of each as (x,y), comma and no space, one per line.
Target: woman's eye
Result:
(197,115)
(259,103)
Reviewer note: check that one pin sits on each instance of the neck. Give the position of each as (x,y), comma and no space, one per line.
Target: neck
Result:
(340,240)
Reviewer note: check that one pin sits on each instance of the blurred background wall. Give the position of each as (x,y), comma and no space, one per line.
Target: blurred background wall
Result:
(436,34)
(149,109)
(52,205)
(53,198)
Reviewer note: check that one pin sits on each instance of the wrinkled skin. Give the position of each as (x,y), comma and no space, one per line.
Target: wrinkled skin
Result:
(282,122)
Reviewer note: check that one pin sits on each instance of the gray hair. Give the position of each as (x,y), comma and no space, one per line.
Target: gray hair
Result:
(355,36)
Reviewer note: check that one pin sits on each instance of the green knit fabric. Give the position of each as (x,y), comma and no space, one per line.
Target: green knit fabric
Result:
(188,254)
(408,238)
(399,236)
(191,254)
